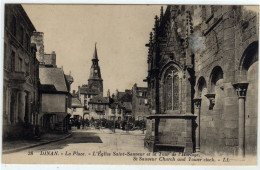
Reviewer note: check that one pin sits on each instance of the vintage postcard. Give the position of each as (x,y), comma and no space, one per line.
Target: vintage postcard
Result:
(130,84)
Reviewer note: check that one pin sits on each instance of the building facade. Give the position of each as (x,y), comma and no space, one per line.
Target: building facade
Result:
(140,102)
(21,75)
(120,105)
(98,107)
(77,108)
(54,87)
(202,80)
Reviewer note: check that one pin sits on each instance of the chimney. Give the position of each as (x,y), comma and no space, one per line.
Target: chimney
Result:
(37,38)
(53,58)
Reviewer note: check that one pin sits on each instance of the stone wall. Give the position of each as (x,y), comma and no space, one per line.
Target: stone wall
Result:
(219,126)
(219,45)
(50,59)
(38,39)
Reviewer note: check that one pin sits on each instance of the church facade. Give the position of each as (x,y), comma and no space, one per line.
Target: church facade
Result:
(203,80)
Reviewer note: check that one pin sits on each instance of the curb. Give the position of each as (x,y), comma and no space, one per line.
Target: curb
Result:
(35,145)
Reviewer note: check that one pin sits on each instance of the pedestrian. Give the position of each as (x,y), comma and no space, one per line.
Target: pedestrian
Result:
(83,124)
(78,124)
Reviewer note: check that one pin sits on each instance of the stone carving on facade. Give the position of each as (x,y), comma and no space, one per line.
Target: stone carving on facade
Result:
(211,98)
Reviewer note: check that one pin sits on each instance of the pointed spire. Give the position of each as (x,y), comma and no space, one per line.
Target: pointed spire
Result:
(156,25)
(161,14)
(156,22)
(95,56)
(151,37)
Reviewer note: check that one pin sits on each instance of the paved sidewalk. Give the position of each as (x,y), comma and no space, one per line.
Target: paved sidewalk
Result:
(18,145)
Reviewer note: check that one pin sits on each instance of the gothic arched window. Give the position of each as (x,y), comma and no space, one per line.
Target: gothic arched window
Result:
(171,90)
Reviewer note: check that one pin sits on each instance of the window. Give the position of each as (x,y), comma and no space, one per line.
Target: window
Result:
(27,42)
(21,35)
(113,111)
(20,64)
(171,89)
(13,61)
(13,26)
(27,67)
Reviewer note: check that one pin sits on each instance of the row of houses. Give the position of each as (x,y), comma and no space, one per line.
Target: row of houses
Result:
(89,103)
(32,81)
(119,106)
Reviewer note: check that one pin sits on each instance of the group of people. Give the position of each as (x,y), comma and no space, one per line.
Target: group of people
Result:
(104,123)
(79,123)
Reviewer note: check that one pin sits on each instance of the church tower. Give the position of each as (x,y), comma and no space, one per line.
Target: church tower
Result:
(95,81)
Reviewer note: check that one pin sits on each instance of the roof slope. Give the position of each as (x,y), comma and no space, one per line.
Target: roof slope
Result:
(87,90)
(76,102)
(99,99)
(53,77)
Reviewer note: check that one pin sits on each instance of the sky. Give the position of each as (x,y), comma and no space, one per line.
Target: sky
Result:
(121,32)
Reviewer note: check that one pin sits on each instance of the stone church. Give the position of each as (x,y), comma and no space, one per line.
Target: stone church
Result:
(203,80)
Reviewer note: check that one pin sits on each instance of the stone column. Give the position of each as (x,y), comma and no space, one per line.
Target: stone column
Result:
(197,102)
(180,94)
(241,89)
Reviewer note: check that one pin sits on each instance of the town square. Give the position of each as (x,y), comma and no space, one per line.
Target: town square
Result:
(109,84)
